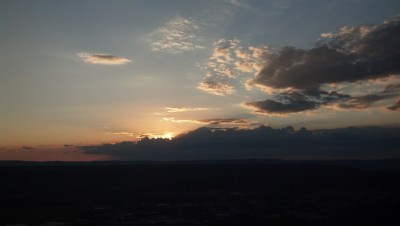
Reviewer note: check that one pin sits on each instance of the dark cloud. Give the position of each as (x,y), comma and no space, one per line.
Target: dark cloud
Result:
(290,103)
(27,148)
(218,121)
(363,101)
(327,98)
(395,106)
(350,56)
(262,142)
(305,69)
(392,88)
(295,101)
(354,54)
(105,59)
(214,121)
(71,147)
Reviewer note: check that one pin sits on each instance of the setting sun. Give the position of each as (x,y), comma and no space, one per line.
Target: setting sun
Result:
(168,135)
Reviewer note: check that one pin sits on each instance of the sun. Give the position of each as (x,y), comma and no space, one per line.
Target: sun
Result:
(168,135)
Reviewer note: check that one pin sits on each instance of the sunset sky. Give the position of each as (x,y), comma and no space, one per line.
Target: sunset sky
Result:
(81,73)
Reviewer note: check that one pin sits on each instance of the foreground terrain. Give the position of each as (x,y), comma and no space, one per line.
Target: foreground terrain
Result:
(198,193)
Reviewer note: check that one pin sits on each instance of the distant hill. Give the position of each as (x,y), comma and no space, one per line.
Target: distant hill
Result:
(383,165)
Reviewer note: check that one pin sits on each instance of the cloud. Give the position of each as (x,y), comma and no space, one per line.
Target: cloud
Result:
(223,49)
(177,36)
(292,102)
(71,147)
(183,109)
(354,55)
(130,134)
(138,136)
(363,101)
(171,119)
(392,88)
(218,88)
(238,3)
(262,142)
(172,110)
(395,106)
(328,35)
(27,148)
(214,121)
(223,121)
(229,61)
(298,101)
(105,59)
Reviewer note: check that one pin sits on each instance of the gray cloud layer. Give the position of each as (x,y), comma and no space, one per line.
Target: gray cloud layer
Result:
(353,54)
(263,142)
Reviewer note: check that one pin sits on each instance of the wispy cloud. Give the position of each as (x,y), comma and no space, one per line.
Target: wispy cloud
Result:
(138,136)
(328,35)
(238,3)
(171,119)
(217,122)
(105,59)
(183,109)
(130,134)
(177,36)
(225,121)
(172,110)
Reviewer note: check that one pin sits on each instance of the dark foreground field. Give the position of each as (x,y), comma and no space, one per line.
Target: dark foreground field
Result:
(198,193)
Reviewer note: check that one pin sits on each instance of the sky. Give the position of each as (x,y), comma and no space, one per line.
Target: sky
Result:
(77,75)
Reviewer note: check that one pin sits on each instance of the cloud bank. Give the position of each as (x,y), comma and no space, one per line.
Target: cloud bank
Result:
(104,59)
(262,142)
(300,78)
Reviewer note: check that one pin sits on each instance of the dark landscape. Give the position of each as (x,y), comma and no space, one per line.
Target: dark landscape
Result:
(232,192)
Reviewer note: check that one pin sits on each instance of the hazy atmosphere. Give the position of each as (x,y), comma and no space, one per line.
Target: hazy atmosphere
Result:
(187,80)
